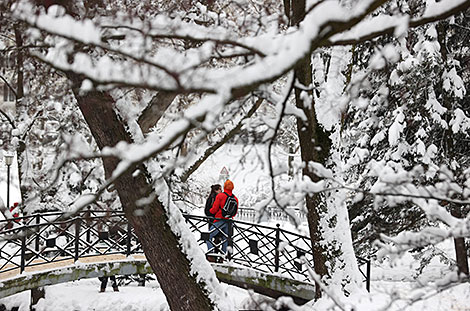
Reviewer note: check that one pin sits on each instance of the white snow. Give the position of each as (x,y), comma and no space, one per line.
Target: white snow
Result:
(84,295)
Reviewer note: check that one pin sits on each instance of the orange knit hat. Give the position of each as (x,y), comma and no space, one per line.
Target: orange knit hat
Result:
(228,185)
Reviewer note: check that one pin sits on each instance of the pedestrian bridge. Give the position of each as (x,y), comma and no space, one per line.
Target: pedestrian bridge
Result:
(49,248)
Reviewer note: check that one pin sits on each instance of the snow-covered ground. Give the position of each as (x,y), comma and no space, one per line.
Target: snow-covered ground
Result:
(457,298)
(84,295)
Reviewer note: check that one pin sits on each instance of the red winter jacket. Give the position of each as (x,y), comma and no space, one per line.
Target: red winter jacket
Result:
(12,208)
(219,204)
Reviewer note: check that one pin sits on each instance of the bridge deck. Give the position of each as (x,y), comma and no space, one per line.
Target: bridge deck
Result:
(13,282)
(41,265)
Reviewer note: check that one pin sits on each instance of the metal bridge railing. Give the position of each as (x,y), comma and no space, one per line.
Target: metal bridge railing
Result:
(40,239)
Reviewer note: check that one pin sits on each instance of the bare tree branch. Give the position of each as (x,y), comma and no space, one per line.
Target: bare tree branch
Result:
(25,47)
(190,38)
(108,48)
(154,110)
(121,83)
(3,113)
(34,118)
(9,85)
(327,30)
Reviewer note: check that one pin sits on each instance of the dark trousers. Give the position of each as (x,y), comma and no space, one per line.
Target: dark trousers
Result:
(104,281)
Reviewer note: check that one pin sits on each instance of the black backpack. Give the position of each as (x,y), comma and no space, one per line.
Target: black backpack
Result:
(230,207)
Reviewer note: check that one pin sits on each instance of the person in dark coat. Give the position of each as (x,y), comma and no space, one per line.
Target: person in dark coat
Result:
(115,233)
(104,282)
(215,190)
(220,223)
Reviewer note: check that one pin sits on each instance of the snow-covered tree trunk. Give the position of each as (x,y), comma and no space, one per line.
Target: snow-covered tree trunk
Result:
(314,147)
(149,220)
(328,223)
(343,267)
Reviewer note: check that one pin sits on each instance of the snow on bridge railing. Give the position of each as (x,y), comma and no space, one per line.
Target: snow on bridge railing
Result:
(45,238)
(271,214)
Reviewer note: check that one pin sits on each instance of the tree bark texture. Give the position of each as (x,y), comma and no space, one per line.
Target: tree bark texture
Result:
(459,244)
(19,97)
(314,147)
(160,245)
(19,63)
(309,139)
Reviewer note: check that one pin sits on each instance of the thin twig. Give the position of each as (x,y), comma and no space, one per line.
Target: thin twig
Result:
(9,85)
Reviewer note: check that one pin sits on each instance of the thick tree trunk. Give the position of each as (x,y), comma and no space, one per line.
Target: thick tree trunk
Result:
(19,63)
(314,147)
(456,210)
(160,244)
(459,243)
(309,139)
(19,97)
(461,255)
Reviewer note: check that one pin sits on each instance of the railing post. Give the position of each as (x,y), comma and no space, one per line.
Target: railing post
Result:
(23,252)
(277,244)
(128,239)
(88,222)
(77,237)
(36,244)
(368,276)
(229,239)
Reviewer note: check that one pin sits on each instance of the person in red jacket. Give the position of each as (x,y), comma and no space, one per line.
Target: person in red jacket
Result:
(220,224)
(14,211)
